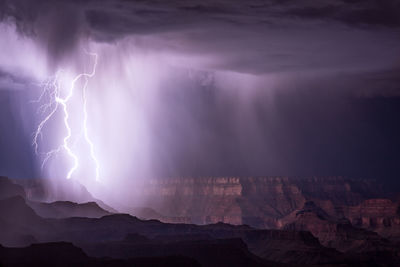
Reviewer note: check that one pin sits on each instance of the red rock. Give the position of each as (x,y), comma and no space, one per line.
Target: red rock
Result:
(261,202)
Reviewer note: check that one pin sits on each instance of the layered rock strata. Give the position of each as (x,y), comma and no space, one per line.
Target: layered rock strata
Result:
(261,202)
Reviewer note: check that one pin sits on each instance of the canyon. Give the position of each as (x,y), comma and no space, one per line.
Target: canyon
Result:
(262,202)
(339,211)
(253,221)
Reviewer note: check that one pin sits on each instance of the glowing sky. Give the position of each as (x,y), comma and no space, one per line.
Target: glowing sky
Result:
(207,87)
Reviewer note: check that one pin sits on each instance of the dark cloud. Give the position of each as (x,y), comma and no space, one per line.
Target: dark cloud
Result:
(57,25)
(149,14)
(358,13)
(247,36)
(253,36)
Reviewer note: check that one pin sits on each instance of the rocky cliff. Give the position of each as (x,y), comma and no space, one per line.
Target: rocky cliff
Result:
(258,201)
(205,200)
(333,209)
(378,215)
(315,233)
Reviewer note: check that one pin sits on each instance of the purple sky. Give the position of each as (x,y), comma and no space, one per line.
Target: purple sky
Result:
(223,88)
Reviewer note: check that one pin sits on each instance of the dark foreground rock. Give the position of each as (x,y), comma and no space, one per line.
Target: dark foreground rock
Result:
(66,254)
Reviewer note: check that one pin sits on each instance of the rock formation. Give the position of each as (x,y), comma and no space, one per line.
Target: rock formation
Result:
(314,229)
(257,201)
(66,209)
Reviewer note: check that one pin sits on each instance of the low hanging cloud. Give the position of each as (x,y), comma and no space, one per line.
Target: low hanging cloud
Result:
(244,36)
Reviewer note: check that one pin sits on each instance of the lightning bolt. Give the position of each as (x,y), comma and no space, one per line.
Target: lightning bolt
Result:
(85,119)
(52,92)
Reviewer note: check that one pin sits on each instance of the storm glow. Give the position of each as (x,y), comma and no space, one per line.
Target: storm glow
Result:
(52,90)
(170,90)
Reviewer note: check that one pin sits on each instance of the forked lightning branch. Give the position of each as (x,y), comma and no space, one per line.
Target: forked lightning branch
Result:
(53,101)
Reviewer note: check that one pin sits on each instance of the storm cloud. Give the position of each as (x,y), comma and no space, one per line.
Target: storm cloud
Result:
(245,36)
(243,88)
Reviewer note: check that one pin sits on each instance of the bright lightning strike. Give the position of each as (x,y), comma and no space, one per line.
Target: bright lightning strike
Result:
(52,91)
(85,119)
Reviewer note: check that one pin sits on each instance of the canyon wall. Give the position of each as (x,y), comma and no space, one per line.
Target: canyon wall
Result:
(378,215)
(201,201)
(342,213)
(339,211)
(262,202)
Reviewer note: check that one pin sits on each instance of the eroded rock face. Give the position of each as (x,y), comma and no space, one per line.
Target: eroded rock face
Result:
(333,232)
(379,215)
(333,209)
(205,200)
(372,213)
(266,199)
(315,230)
(262,202)
(315,204)
(257,201)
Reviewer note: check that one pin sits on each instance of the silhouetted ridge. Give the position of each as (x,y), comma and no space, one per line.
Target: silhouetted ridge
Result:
(9,189)
(64,209)
(15,210)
